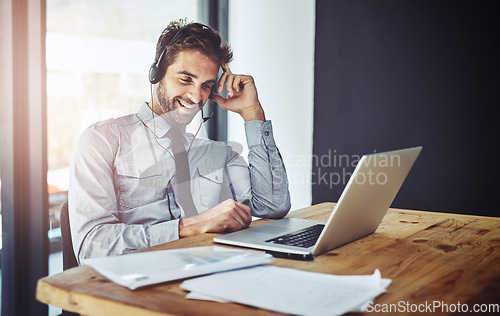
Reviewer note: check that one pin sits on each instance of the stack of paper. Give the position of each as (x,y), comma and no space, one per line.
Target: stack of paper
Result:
(145,268)
(289,291)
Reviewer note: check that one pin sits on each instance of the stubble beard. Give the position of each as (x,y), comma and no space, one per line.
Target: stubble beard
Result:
(169,111)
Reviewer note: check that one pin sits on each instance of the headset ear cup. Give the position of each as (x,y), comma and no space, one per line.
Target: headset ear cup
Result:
(153,73)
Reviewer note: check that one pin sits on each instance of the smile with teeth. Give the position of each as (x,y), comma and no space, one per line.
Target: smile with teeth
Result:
(186,105)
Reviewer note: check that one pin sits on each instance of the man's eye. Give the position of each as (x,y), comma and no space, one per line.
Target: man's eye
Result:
(207,87)
(186,80)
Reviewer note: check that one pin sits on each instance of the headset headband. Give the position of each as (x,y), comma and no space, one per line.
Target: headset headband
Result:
(156,72)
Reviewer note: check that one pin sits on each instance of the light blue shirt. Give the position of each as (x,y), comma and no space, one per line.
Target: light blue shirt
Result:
(118,195)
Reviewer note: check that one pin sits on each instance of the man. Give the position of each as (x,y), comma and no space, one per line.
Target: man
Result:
(141,180)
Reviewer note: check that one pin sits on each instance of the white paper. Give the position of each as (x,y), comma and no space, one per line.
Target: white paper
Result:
(145,268)
(290,291)
(199,296)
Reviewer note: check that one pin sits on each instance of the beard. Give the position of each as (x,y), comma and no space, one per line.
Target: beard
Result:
(176,110)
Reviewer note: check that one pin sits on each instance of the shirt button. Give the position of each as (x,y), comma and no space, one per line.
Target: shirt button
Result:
(266,133)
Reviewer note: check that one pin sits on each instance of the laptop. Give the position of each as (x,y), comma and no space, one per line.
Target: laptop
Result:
(366,198)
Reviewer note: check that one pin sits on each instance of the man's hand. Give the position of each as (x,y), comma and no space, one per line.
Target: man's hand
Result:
(242,95)
(228,216)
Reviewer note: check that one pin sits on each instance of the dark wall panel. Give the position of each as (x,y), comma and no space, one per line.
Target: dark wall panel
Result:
(395,74)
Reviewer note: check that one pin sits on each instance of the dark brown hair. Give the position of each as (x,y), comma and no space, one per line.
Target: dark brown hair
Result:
(181,35)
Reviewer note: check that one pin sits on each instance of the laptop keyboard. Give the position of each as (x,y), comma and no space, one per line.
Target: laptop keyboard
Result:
(304,238)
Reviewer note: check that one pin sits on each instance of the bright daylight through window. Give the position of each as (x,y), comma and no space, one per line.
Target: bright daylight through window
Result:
(98,56)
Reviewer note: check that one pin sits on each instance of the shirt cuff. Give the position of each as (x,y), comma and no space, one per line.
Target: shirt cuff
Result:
(164,232)
(259,133)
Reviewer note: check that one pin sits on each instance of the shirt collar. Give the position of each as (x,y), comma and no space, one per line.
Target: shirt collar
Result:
(155,123)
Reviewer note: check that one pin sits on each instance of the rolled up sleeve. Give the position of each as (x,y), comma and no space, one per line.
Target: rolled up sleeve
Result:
(268,178)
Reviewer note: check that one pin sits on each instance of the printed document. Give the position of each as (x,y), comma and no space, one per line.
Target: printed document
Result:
(288,290)
(139,269)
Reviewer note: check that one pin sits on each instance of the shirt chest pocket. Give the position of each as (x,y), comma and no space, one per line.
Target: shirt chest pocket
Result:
(139,184)
(209,183)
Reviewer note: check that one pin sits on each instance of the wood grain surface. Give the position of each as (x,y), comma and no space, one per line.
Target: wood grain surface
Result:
(432,258)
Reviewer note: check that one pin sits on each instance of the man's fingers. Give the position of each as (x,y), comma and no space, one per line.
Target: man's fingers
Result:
(222,81)
(219,100)
(241,215)
(247,211)
(237,223)
(230,84)
(242,218)
(236,83)
(226,72)
(226,69)
(229,215)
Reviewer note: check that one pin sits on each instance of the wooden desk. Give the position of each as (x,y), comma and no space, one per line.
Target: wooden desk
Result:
(430,257)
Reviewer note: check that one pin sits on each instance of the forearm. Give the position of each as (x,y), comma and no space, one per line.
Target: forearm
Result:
(119,238)
(99,229)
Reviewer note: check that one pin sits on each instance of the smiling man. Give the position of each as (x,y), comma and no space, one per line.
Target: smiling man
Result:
(142,180)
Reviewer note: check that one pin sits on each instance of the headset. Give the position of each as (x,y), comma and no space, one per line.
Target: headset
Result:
(156,71)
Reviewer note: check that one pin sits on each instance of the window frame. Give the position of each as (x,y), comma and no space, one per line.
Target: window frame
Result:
(215,14)
(24,156)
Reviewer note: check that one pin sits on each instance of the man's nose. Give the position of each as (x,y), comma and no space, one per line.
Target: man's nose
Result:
(195,95)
